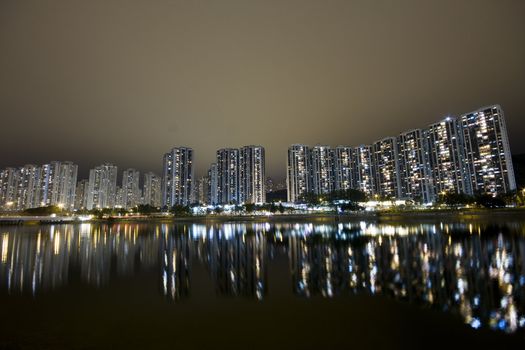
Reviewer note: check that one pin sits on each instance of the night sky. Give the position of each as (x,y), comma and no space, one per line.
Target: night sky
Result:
(124,81)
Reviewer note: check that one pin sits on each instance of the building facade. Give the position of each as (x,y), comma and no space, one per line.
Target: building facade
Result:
(131,194)
(8,188)
(252,174)
(81,194)
(58,182)
(363,172)
(102,187)
(343,158)
(322,170)
(298,177)
(202,190)
(487,151)
(446,157)
(28,187)
(177,177)
(228,169)
(414,173)
(385,161)
(213,185)
(151,189)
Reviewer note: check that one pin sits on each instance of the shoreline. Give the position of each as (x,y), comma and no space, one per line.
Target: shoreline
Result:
(386,216)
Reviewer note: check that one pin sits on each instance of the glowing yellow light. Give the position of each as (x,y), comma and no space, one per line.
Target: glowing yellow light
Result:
(56,247)
(5,244)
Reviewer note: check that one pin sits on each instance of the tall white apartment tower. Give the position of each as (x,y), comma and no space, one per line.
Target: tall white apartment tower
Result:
(414,172)
(362,167)
(386,168)
(446,157)
(228,176)
(102,186)
(298,179)
(322,169)
(343,168)
(488,156)
(8,187)
(81,194)
(58,184)
(130,188)
(213,185)
(203,185)
(252,174)
(28,187)
(177,177)
(152,189)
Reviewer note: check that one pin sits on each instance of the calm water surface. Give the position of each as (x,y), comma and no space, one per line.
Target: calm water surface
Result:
(268,285)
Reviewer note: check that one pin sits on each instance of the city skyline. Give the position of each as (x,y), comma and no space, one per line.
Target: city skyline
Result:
(203,174)
(84,173)
(298,72)
(465,154)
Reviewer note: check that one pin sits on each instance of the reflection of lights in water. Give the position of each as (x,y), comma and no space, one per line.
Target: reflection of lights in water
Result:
(475,323)
(5,245)
(57,245)
(412,262)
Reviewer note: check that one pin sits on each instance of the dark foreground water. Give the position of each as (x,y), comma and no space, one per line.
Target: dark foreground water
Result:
(262,285)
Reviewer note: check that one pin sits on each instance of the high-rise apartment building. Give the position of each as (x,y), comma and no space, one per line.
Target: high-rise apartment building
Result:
(213,185)
(81,194)
(343,156)
(363,172)
(202,188)
(487,152)
(28,191)
(58,184)
(322,170)
(8,188)
(228,176)
(414,173)
(298,177)
(252,174)
(446,157)
(119,197)
(385,167)
(131,193)
(469,154)
(151,189)
(177,177)
(102,187)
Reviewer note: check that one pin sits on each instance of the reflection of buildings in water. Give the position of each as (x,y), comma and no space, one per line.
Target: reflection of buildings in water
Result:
(473,270)
(44,258)
(33,261)
(481,278)
(94,256)
(236,256)
(175,264)
(105,251)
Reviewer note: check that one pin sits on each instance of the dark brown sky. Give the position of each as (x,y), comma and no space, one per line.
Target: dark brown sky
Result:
(123,81)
